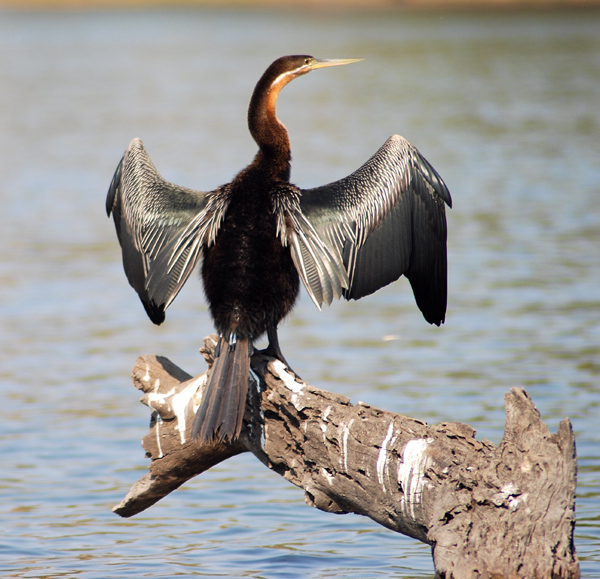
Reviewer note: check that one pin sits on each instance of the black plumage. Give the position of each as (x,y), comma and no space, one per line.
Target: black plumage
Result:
(259,236)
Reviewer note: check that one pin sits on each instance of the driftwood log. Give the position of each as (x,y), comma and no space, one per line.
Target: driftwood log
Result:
(504,511)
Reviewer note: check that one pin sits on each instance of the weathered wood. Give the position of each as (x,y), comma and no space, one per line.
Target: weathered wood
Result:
(487,511)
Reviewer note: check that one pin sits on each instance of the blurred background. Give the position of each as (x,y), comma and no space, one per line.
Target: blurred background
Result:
(505,105)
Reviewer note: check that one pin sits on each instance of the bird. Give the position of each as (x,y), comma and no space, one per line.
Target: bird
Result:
(259,236)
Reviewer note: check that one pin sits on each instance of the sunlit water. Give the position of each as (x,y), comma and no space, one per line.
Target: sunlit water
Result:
(507,108)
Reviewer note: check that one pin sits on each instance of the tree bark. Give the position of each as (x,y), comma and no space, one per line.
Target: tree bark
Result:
(505,511)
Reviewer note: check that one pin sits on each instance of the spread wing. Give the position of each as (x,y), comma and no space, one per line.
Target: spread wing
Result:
(385,220)
(155,224)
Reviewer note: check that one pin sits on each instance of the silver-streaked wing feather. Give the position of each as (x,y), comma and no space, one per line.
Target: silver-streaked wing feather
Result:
(385,220)
(319,264)
(151,215)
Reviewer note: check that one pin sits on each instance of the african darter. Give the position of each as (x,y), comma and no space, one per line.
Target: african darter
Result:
(259,235)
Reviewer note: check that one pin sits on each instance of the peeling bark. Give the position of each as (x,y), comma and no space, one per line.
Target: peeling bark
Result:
(503,511)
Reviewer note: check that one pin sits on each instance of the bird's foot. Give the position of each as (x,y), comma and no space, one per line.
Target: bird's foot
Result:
(274,352)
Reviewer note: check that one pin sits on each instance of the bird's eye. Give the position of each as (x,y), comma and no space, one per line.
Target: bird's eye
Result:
(307,61)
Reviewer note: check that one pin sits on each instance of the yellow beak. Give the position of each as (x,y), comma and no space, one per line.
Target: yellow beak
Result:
(322,63)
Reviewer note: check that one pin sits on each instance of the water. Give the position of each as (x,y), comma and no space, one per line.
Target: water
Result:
(504,106)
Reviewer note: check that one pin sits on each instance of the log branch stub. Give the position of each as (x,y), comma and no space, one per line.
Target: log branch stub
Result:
(503,511)
(173,396)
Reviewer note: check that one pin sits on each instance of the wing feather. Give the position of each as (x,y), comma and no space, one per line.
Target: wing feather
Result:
(385,220)
(320,268)
(151,215)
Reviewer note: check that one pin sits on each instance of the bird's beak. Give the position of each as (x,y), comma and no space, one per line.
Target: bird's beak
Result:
(322,63)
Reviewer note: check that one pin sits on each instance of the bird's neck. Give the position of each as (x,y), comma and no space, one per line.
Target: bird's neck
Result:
(268,131)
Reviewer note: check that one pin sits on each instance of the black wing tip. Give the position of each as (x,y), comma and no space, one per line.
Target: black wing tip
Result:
(155,313)
(432,304)
(437,321)
(433,309)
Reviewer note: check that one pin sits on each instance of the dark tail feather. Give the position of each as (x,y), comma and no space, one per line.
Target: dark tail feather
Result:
(221,411)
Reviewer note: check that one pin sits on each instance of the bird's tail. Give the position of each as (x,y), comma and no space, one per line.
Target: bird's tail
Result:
(221,411)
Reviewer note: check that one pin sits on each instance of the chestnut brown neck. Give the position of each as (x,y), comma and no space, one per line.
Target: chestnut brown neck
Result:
(268,131)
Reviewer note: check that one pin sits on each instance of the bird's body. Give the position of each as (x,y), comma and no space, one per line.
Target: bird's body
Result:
(260,235)
(246,291)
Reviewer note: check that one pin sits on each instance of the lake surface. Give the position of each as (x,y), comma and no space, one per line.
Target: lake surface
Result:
(506,107)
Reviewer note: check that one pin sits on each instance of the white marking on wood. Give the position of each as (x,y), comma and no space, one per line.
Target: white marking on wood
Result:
(514,502)
(200,381)
(324,419)
(510,494)
(159,421)
(382,458)
(344,443)
(510,489)
(180,402)
(151,397)
(411,473)
(279,368)
(328,476)
(146,377)
(254,378)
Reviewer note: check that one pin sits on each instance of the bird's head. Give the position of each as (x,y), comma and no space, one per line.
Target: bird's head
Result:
(286,68)
(263,123)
